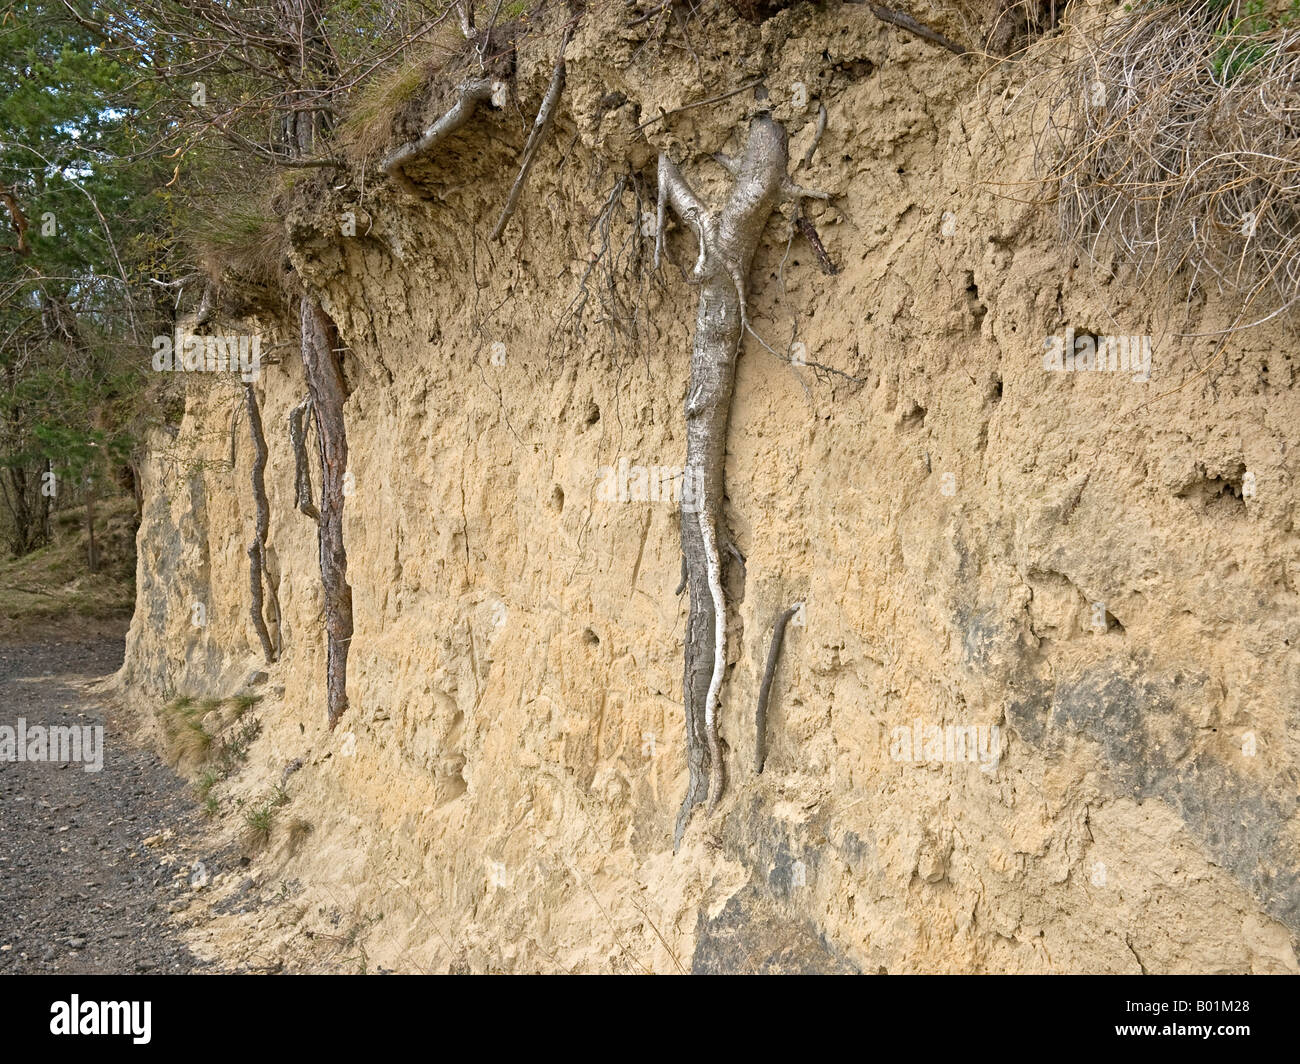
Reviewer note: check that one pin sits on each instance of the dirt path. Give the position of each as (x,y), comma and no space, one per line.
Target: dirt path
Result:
(80,892)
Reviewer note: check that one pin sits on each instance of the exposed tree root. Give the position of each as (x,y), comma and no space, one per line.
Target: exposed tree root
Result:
(805,226)
(727,242)
(328,392)
(818,133)
(301,469)
(616,281)
(545,116)
(257,574)
(468,96)
(765,690)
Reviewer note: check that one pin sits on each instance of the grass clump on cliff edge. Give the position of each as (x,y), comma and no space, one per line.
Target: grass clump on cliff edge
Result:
(1170,139)
(234,229)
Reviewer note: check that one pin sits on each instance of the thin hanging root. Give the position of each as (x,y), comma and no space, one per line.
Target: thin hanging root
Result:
(234,429)
(765,690)
(257,573)
(469,95)
(301,470)
(545,116)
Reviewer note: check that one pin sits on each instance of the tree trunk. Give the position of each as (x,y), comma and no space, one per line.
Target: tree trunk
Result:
(92,551)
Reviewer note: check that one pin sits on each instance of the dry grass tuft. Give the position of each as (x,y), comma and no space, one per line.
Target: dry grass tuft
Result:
(187,740)
(239,241)
(298,831)
(1174,140)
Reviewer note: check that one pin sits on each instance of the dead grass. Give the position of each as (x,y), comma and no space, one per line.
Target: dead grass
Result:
(188,740)
(297,832)
(238,238)
(209,734)
(389,105)
(1171,143)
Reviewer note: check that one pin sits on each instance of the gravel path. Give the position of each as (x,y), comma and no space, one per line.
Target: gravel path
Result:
(80,892)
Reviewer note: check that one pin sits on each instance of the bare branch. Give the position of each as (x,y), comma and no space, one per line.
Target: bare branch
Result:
(905,21)
(699,103)
(541,124)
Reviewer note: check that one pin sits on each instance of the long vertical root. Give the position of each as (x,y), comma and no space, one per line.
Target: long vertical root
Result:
(258,577)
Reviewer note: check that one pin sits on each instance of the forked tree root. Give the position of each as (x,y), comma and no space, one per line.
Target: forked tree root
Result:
(727,240)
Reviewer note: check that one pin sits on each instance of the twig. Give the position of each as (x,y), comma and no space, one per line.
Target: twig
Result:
(907,22)
(698,103)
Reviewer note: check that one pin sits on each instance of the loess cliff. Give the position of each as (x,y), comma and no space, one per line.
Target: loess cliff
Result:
(1091,574)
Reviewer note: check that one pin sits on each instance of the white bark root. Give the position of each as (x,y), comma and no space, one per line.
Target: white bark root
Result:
(468,96)
(727,240)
